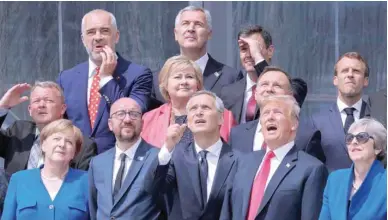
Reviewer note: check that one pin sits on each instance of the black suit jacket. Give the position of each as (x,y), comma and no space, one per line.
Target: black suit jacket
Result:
(181,179)
(233,95)
(378,106)
(16,143)
(215,76)
(330,144)
(294,192)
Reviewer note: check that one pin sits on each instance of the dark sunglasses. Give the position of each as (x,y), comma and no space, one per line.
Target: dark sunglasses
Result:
(361,138)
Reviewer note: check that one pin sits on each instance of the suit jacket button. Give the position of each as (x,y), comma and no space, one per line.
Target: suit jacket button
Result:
(51,206)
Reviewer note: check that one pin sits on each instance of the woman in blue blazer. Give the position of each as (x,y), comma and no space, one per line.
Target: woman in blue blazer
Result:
(55,191)
(360,192)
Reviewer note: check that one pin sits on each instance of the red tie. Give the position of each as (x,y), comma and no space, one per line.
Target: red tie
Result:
(258,187)
(251,106)
(94,99)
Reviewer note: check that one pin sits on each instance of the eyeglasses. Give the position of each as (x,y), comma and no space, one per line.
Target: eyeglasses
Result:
(361,137)
(134,115)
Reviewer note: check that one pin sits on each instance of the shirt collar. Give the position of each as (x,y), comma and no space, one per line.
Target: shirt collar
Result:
(341,105)
(129,152)
(282,151)
(202,62)
(258,129)
(93,66)
(215,149)
(250,84)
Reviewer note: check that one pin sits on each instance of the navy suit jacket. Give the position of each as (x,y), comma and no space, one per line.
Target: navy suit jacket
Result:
(330,144)
(135,200)
(215,76)
(369,202)
(294,192)
(181,178)
(27,197)
(129,80)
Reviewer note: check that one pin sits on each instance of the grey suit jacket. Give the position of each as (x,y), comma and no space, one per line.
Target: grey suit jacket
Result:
(378,106)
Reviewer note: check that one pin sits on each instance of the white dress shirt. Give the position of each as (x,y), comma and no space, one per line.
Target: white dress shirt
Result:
(280,153)
(247,96)
(258,139)
(92,72)
(356,113)
(212,158)
(128,161)
(201,62)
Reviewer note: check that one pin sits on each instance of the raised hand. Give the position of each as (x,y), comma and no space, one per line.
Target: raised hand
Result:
(14,96)
(174,135)
(255,48)
(109,62)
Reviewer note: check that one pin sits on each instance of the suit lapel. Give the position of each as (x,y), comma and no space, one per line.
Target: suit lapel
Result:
(27,144)
(338,128)
(287,164)
(250,174)
(240,86)
(110,159)
(250,136)
(191,163)
(212,73)
(223,168)
(137,163)
(82,84)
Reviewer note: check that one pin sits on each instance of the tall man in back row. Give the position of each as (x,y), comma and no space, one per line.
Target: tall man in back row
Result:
(92,86)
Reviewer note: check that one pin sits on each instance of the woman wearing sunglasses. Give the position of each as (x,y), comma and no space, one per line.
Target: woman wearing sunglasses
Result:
(360,192)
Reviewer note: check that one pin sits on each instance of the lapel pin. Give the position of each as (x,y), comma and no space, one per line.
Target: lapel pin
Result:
(140,158)
(288,165)
(216,74)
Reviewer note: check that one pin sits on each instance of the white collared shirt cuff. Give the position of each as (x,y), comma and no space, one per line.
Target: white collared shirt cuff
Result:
(164,156)
(3,112)
(105,80)
(259,61)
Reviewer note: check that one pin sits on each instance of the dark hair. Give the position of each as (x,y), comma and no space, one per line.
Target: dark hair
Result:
(275,68)
(253,29)
(353,55)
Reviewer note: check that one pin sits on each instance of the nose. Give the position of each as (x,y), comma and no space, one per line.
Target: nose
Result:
(61,143)
(42,103)
(127,117)
(97,36)
(191,27)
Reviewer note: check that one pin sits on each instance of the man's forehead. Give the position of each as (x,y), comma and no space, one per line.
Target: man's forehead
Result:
(97,19)
(273,76)
(126,105)
(201,99)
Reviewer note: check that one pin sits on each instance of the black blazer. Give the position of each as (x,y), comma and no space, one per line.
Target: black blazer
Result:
(16,143)
(233,95)
(294,192)
(215,76)
(330,144)
(181,179)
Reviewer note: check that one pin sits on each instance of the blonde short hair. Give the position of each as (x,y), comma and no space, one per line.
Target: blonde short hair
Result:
(62,125)
(289,100)
(177,63)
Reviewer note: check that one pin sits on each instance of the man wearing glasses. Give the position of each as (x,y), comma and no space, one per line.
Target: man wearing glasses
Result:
(118,176)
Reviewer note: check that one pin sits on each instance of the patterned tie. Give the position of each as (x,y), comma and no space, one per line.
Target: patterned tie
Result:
(251,106)
(35,154)
(258,187)
(94,99)
(349,118)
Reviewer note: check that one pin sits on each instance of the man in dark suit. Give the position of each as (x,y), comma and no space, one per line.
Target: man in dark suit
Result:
(91,87)
(193,29)
(377,102)
(196,174)
(118,177)
(256,51)
(351,74)
(19,144)
(4,179)
(279,182)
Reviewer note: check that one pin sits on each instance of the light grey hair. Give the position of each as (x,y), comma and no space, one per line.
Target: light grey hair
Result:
(51,85)
(287,99)
(217,101)
(195,8)
(112,18)
(377,131)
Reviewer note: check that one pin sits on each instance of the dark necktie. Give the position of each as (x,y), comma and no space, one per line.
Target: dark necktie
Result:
(251,106)
(203,171)
(349,118)
(119,176)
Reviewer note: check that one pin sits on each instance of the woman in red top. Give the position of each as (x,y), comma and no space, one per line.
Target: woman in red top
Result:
(178,80)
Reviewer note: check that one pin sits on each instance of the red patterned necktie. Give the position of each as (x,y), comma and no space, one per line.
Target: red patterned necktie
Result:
(258,187)
(251,106)
(94,99)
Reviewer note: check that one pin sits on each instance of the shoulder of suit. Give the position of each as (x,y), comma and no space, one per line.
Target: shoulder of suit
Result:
(77,172)
(23,124)
(102,156)
(76,68)
(339,174)
(24,173)
(308,160)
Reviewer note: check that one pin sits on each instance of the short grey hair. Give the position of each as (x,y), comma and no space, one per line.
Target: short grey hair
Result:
(112,18)
(195,8)
(377,131)
(287,99)
(50,85)
(217,101)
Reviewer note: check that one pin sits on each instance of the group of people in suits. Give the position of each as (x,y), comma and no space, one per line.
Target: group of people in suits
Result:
(197,140)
